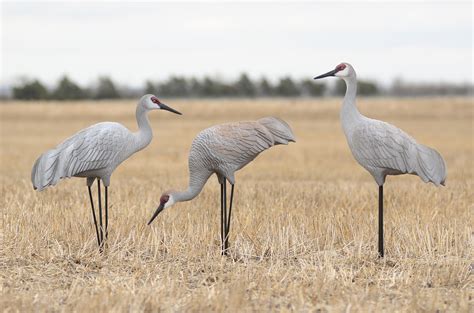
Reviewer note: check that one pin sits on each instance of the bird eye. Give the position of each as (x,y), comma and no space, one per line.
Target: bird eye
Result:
(340,67)
(155,100)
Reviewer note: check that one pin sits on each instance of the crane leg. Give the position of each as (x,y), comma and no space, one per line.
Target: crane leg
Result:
(228,218)
(106,212)
(93,215)
(101,228)
(224,217)
(381,252)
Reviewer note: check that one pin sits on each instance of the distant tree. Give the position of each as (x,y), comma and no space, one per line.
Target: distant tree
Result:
(175,86)
(209,88)
(400,88)
(150,88)
(265,88)
(339,88)
(245,87)
(214,88)
(310,88)
(106,89)
(367,88)
(129,92)
(195,87)
(287,88)
(67,90)
(228,90)
(364,88)
(33,90)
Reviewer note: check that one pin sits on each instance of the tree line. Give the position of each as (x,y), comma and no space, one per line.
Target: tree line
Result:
(243,86)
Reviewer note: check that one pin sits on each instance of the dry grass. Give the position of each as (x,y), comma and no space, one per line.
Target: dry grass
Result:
(304,231)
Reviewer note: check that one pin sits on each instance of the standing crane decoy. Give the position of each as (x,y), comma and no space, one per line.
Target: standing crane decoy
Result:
(224,149)
(381,148)
(95,152)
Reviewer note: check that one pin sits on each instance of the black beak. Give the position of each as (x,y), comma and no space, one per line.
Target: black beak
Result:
(167,108)
(158,210)
(330,73)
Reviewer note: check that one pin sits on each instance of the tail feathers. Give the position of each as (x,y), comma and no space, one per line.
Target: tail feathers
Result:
(46,170)
(431,166)
(280,130)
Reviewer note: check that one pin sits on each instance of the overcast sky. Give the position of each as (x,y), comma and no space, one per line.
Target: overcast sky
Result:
(132,42)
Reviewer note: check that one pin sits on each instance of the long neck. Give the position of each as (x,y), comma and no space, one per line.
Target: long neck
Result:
(349,113)
(144,133)
(197,180)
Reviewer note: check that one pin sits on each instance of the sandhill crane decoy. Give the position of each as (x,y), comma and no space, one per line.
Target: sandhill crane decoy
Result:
(223,150)
(381,148)
(95,152)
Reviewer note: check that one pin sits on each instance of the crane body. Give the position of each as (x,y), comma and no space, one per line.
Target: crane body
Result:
(94,153)
(381,148)
(222,150)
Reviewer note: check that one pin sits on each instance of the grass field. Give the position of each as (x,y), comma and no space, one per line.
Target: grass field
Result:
(304,230)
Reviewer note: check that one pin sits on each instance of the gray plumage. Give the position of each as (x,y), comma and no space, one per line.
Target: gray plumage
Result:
(383,149)
(224,149)
(227,148)
(92,152)
(96,151)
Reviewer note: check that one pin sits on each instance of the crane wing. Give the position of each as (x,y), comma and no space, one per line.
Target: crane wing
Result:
(382,146)
(240,143)
(92,148)
(279,129)
(226,148)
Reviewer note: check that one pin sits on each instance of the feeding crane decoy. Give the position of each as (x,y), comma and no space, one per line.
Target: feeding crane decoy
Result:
(94,153)
(223,150)
(381,148)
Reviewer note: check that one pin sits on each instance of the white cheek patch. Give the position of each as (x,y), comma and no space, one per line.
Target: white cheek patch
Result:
(343,73)
(169,203)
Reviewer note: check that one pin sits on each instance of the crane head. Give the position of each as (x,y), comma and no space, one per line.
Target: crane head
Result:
(151,102)
(342,70)
(166,200)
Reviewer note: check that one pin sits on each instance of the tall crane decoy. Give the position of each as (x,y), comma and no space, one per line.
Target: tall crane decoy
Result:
(224,149)
(381,148)
(95,152)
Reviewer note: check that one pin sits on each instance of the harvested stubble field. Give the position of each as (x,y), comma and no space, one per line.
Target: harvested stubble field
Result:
(304,228)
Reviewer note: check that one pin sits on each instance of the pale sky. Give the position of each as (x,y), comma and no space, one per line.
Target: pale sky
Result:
(132,42)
